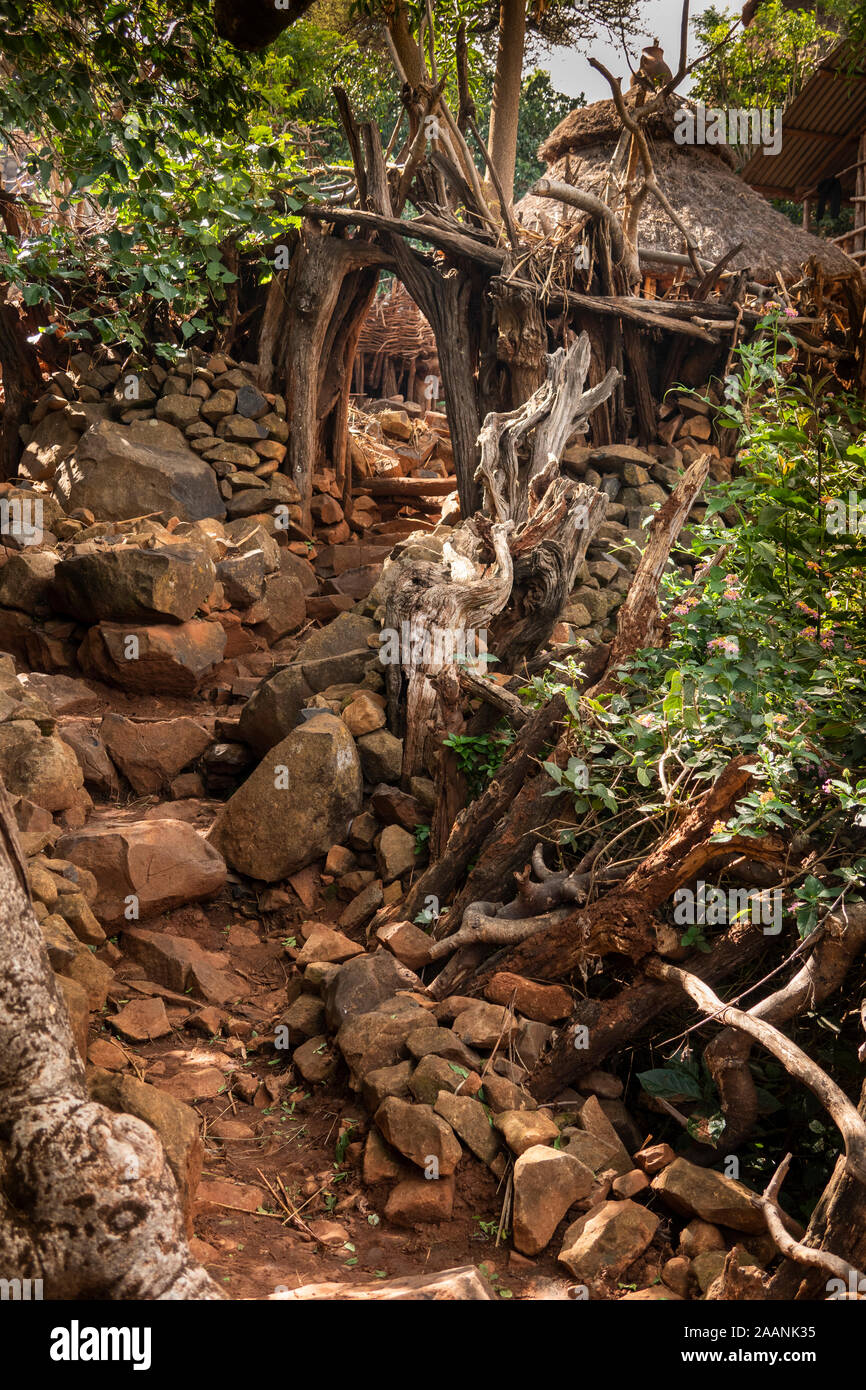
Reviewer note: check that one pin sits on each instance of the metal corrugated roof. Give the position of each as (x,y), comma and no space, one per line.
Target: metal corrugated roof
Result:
(820,131)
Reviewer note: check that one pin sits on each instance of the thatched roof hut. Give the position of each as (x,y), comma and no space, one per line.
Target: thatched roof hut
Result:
(718,208)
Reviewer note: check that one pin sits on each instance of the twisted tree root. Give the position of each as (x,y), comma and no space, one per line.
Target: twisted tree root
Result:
(728,1054)
(845,1115)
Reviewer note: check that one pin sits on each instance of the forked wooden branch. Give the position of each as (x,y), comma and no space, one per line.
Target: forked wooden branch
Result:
(796,1062)
(650,183)
(795,1249)
(727,1056)
(621,921)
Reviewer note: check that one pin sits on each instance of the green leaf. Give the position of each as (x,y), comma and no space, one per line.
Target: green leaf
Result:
(671,1083)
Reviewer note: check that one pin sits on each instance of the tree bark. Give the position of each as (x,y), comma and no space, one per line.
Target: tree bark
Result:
(505,108)
(316,320)
(22,382)
(88,1202)
(617,1022)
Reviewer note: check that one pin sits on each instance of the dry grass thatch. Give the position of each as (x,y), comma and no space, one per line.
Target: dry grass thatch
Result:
(717,207)
(395,327)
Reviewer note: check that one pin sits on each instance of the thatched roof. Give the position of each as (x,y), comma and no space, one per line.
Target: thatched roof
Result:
(395,327)
(718,208)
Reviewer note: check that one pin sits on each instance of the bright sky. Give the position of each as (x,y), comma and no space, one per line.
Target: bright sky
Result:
(570,72)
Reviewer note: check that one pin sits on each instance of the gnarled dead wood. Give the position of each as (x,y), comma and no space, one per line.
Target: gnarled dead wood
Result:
(433,606)
(495,695)
(477,822)
(822,1260)
(88,1203)
(621,921)
(556,410)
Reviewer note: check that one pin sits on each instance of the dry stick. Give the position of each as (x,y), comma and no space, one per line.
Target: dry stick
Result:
(497,184)
(650,183)
(639,622)
(454,243)
(795,1061)
(501,699)
(810,940)
(787,1245)
(587,202)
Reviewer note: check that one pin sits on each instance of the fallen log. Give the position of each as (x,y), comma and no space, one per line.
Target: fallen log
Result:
(477,822)
(409,487)
(621,921)
(461,1283)
(639,623)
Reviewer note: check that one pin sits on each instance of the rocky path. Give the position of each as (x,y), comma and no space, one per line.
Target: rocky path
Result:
(193,729)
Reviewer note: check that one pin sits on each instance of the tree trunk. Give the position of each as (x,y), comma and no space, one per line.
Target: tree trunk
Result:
(616,1022)
(838,1224)
(317,319)
(505,107)
(22,382)
(88,1203)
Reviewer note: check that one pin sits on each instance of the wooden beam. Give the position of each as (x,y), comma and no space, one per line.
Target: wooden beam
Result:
(454,243)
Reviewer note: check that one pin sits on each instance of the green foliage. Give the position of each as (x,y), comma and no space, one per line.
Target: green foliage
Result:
(682,1080)
(171,153)
(479,755)
(764,652)
(767,63)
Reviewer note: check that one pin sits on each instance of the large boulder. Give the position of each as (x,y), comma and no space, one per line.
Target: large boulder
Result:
(41,767)
(124,471)
(143,868)
(337,654)
(170,659)
(546,1184)
(133,584)
(297,803)
(150,754)
(53,440)
(183,965)
(693,1191)
(25,580)
(176,1124)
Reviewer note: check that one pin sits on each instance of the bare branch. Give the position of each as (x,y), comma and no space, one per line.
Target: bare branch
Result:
(845,1115)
